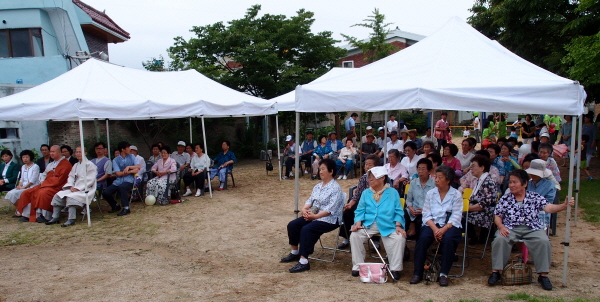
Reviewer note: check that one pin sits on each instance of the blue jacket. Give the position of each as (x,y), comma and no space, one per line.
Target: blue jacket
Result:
(223,158)
(339,145)
(387,212)
(11,173)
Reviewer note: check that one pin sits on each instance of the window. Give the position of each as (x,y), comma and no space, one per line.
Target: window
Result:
(15,43)
(348,64)
(9,133)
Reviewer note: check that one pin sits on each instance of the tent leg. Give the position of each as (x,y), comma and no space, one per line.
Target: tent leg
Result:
(568,218)
(190,130)
(278,151)
(579,134)
(83,162)
(108,139)
(385,132)
(206,151)
(297,164)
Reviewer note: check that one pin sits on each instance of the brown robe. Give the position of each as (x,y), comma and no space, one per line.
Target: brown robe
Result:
(41,196)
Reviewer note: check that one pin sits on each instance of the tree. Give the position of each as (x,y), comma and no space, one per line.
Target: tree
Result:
(544,32)
(375,48)
(157,64)
(264,56)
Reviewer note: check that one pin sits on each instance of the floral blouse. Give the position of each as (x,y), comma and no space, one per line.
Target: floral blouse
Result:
(514,214)
(322,151)
(328,198)
(363,184)
(486,198)
(499,164)
(553,166)
(470,181)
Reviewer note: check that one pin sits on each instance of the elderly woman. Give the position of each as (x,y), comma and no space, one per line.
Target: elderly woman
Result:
(9,170)
(416,196)
(411,158)
(396,171)
(322,151)
(436,160)
(482,199)
(199,165)
(516,217)
(465,155)
(30,176)
(442,213)
(510,162)
(157,186)
(450,160)
(322,213)
(379,211)
(346,159)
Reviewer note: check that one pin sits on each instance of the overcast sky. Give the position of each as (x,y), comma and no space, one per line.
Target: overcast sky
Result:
(153,24)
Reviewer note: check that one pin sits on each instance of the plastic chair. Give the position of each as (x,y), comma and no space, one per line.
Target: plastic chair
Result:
(173,185)
(464,263)
(337,240)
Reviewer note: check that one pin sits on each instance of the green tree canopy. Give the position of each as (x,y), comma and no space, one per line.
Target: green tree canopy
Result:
(375,47)
(264,56)
(556,35)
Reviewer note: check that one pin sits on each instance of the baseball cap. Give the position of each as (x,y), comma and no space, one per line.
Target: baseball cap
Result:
(132,147)
(369,128)
(288,138)
(181,143)
(545,135)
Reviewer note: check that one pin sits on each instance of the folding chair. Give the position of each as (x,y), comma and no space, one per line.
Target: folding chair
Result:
(97,195)
(173,185)
(489,235)
(227,174)
(136,189)
(465,262)
(337,240)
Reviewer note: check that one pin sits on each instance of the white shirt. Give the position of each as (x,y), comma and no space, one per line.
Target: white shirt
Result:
(476,123)
(4,171)
(200,163)
(411,165)
(426,138)
(392,125)
(465,159)
(399,145)
(181,159)
(142,163)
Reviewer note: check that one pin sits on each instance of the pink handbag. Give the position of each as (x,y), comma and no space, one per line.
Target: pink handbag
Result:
(372,272)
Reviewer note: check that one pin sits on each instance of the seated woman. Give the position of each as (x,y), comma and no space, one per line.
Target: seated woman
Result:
(346,159)
(516,217)
(470,181)
(396,171)
(482,199)
(436,160)
(450,160)
(322,213)
(155,153)
(416,196)
(197,172)
(379,211)
(442,214)
(410,160)
(9,170)
(30,177)
(157,186)
(321,152)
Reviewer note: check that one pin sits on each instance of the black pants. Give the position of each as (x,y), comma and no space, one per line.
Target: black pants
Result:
(307,233)
(289,163)
(123,190)
(348,217)
(4,188)
(447,249)
(417,222)
(307,158)
(441,144)
(198,180)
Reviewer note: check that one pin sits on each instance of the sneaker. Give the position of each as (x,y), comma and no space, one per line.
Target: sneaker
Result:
(590,178)
(345,177)
(306,171)
(340,177)
(545,282)
(198,193)
(188,192)
(494,278)
(285,177)
(291,174)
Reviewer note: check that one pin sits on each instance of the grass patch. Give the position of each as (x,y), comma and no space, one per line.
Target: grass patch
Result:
(588,200)
(16,238)
(527,298)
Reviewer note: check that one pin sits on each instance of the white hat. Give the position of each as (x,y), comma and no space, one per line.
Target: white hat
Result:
(288,138)
(369,128)
(132,147)
(378,172)
(181,143)
(545,135)
(538,167)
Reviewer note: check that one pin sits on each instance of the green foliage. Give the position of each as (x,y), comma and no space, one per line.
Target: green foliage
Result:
(375,48)
(527,298)
(588,199)
(264,56)
(558,35)
(157,64)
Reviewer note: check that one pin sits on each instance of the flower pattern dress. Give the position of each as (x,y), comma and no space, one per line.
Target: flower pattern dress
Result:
(486,198)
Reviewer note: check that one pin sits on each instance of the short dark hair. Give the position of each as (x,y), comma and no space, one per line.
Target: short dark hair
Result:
(507,145)
(425,161)
(546,146)
(428,128)
(453,149)
(354,114)
(96,145)
(199,145)
(430,143)
(521,175)
(155,145)
(528,115)
(321,137)
(435,158)
(411,145)
(227,142)
(68,149)
(395,152)
(470,142)
(374,158)
(6,152)
(482,161)
(122,145)
(330,164)
(164,147)
(483,152)
(28,153)
(473,141)
(495,147)
(502,139)
(44,145)
(513,141)
(444,113)
(535,146)
(529,157)
(447,171)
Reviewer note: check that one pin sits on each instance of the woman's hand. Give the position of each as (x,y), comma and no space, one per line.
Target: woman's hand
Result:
(400,231)
(343,161)
(569,202)
(356,227)
(349,205)
(439,233)
(503,231)
(309,216)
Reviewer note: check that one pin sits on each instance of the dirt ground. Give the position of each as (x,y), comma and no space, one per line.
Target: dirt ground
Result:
(227,249)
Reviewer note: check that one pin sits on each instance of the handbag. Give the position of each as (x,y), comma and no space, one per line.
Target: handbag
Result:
(517,273)
(372,272)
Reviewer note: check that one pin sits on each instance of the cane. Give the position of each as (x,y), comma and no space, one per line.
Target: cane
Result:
(429,267)
(387,267)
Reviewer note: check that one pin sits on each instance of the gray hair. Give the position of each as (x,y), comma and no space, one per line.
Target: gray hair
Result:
(395,152)
(447,171)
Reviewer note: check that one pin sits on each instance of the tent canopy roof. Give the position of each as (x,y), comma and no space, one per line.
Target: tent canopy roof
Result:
(98,89)
(456,68)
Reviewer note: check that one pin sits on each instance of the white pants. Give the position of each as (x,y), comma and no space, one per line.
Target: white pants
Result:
(394,246)
(46,214)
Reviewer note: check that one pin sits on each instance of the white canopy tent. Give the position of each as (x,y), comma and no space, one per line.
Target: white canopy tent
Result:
(456,68)
(101,90)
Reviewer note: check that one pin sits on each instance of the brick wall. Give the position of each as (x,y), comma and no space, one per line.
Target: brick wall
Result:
(95,43)
(359,59)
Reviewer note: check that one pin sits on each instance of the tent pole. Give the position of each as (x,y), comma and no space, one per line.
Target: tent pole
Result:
(190,130)
(278,152)
(579,134)
(385,134)
(266,132)
(297,164)
(84,163)
(108,139)
(359,143)
(206,152)
(568,218)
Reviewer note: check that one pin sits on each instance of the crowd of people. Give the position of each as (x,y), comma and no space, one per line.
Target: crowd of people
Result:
(513,188)
(59,182)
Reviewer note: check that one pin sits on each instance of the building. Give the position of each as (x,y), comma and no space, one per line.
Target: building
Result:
(40,40)
(401,39)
